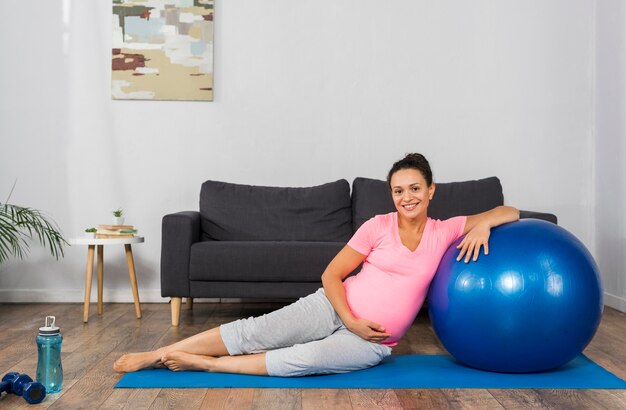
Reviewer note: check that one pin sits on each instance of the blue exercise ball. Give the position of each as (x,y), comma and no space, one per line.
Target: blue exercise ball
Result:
(532,304)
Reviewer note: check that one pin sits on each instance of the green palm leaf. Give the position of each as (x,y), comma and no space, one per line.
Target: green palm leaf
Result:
(18,224)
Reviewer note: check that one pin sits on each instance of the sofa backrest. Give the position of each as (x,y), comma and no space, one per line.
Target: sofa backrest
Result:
(372,197)
(233,212)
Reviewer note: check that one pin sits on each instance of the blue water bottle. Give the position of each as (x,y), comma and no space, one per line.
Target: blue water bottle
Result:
(49,369)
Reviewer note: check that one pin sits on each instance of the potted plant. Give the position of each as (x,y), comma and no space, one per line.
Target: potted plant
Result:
(118,217)
(19,224)
(90,232)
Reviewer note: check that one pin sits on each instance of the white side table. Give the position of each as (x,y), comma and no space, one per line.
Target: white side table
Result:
(92,243)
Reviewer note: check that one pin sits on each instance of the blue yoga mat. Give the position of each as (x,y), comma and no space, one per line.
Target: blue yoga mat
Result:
(395,372)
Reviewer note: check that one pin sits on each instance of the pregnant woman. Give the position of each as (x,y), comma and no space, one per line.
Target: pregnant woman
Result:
(346,325)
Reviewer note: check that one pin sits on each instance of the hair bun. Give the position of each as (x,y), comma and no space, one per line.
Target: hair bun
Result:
(412,161)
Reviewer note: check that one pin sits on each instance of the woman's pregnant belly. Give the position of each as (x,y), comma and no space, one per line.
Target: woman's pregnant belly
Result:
(392,302)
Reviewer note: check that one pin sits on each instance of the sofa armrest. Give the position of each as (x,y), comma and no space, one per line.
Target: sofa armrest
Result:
(179,232)
(538,215)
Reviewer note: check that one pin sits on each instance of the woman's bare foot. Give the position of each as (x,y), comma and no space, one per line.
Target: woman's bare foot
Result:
(136,361)
(178,361)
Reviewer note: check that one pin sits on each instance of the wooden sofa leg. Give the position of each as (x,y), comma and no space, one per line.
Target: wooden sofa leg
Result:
(176,310)
(189,304)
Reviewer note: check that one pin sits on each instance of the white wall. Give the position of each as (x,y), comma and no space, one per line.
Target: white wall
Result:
(610,176)
(305,93)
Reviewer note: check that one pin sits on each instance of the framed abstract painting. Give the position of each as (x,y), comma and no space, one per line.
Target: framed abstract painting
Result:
(162,50)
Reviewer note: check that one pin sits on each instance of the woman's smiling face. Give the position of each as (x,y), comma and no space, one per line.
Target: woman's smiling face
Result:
(411,193)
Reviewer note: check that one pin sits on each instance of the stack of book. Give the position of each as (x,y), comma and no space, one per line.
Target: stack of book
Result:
(115,231)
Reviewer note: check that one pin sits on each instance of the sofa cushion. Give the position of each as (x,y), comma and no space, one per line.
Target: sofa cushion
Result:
(372,197)
(264,261)
(233,212)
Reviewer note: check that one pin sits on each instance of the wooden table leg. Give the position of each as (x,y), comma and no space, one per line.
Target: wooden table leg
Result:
(88,280)
(133,279)
(100,276)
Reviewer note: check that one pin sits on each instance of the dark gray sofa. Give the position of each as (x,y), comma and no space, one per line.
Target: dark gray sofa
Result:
(270,242)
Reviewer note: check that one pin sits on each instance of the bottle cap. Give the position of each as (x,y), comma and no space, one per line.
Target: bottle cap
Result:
(49,327)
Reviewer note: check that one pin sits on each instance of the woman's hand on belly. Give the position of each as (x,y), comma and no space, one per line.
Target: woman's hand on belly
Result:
(368,330)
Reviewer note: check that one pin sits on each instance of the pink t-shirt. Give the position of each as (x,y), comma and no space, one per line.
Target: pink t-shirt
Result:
(392,285)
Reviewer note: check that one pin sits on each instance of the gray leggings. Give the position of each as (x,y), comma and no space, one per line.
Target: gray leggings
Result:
(306,337)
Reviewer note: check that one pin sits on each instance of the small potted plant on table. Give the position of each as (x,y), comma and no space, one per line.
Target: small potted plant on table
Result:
(90,232)
(118,217)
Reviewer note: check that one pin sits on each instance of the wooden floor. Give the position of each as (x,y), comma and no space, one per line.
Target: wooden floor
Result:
(89,351)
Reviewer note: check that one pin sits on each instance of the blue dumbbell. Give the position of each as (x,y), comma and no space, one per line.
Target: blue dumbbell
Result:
(23,385)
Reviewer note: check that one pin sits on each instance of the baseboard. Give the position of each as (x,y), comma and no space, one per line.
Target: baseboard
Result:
(77,296)
(615,302)
(154,296)
(109,296)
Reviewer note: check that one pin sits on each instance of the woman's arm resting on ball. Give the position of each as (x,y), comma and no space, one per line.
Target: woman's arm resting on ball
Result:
(478,228)
(345,262)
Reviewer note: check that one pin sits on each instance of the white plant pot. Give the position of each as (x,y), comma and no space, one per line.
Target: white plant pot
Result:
(90,234)
(118,220)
